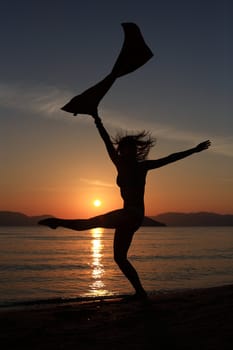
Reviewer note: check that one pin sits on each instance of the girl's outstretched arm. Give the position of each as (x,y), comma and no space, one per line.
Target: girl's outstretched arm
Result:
(153,164)
(106,138)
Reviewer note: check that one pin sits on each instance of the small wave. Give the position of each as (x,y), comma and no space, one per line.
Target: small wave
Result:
(181,257)
(43,267)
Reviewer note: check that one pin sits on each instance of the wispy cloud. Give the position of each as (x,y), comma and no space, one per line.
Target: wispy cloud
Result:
(222,145)
(46,100)
(40,99)
(96,183)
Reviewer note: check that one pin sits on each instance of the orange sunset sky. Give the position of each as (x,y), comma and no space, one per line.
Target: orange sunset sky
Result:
(53,163)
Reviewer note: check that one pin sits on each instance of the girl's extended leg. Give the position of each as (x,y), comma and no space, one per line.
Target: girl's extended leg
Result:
(73,224)
(122,241)
(109,220)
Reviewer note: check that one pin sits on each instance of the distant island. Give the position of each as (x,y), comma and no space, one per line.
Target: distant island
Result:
(8,218)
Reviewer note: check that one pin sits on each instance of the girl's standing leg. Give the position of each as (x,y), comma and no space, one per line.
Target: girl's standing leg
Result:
(122,241)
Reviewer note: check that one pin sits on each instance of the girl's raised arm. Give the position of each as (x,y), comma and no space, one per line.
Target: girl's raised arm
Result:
(106,138)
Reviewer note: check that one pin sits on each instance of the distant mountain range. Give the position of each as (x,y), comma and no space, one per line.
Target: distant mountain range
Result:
(8,218)
(195,219)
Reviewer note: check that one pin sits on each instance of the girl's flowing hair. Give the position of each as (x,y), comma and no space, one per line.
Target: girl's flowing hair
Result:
(143,141)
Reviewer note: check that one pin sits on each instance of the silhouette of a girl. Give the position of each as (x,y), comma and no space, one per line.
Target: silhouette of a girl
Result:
(129,157)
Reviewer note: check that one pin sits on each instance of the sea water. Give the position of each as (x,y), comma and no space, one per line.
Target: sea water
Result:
(37,263)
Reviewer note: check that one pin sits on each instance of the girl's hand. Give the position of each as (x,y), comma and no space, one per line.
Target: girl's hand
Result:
(96,117)
(202,146)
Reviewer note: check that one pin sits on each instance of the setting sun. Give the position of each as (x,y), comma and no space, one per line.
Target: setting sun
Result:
(97,203)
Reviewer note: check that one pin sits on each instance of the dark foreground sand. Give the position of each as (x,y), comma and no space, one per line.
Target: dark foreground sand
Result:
(195,319)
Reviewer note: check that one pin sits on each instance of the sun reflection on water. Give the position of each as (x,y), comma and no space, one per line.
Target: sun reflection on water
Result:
(97,286)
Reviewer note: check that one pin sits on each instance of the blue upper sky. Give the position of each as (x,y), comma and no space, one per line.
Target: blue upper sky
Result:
(70,45)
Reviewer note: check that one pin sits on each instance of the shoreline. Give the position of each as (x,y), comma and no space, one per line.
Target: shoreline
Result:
(32,304)
(187,319)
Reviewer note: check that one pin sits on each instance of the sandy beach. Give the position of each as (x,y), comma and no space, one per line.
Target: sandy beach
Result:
(193,319)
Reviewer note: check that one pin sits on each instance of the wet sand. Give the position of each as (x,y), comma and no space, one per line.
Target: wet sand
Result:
(193,319)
